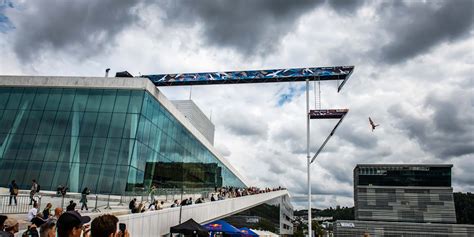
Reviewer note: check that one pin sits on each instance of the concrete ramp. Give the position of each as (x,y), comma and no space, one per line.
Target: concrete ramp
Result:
(159,222)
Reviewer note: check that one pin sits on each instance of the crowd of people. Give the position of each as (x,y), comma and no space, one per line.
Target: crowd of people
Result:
(67,224)
(70,223)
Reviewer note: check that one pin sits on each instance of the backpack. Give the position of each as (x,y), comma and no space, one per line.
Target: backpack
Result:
(37,188)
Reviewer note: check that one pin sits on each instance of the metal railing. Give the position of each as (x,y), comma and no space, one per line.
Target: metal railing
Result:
(8,204)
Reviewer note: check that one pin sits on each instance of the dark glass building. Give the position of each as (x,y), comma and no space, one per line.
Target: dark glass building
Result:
(109,134)
(410,193)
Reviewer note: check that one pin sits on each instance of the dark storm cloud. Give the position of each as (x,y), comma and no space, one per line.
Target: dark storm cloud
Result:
(416,26)
(446,131)
(346,6)
(83,28)
(249,27)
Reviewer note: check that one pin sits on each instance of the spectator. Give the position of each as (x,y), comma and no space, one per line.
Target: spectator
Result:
(159,206)
(140,208)
(213,198)
(83,200)
(11,227)
(33,190)
(199,200)
(106,226)
(190,201)
(13,188)
(152,206)
(33,211)
(175,203)
(71,206)
(57,213)
(2,221)
(184,202)
(47,211)
(64,190)
(71,223)
(152,193)
(132,205)
(48,229)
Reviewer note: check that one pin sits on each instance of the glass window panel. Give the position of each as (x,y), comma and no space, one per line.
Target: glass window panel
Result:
(7,120)
(61,175)
(136,99)
(46,175)
(53,99)
(94,100)
(102,126)
(97,149)
(61,123)
(131,126)
(80,100)
(40,99)
(6,167)
(27,98)
(108,101)
(19,172)
(106,178)
(112,151)
(33,123)
(91,176)
(40,147)
(117,125)
(33,172)
(47,122)
(122,100)
(27,145)
(125,151)
(67,100)
(88,124)
(54,148)
(83,148)
(64,155)
(12,147)
(4,95)
(22,117)
(120,180)
(76,177)
(15,98)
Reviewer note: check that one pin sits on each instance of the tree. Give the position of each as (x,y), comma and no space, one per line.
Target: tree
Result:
(464,205)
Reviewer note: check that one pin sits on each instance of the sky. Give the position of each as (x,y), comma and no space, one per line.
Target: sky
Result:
(413,75)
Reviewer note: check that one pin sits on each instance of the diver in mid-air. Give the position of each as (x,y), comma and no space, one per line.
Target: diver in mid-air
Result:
(373,124)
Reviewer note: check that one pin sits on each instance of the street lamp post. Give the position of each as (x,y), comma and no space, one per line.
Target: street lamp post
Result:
(308,158)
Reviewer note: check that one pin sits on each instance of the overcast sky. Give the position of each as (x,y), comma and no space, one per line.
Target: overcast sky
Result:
(414,67)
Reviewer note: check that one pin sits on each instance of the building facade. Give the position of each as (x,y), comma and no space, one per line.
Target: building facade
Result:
(405,193)
(111,135)
(403,200)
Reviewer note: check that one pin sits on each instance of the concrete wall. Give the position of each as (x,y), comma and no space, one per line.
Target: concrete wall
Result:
(159,222)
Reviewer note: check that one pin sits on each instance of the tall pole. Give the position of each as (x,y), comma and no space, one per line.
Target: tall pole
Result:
(308,158)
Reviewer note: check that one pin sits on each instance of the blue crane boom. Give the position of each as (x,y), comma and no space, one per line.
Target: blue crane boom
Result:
(254,76)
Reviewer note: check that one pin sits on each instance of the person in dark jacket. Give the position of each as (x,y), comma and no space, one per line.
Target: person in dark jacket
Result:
(13,188)
(71,206)
(83,200)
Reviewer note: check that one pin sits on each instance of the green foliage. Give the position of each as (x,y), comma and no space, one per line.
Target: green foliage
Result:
(464,205)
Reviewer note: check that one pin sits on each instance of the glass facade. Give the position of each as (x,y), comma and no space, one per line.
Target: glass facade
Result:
(405,176)
(110,140)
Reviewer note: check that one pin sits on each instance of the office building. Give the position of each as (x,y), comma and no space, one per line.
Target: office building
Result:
(403,200)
